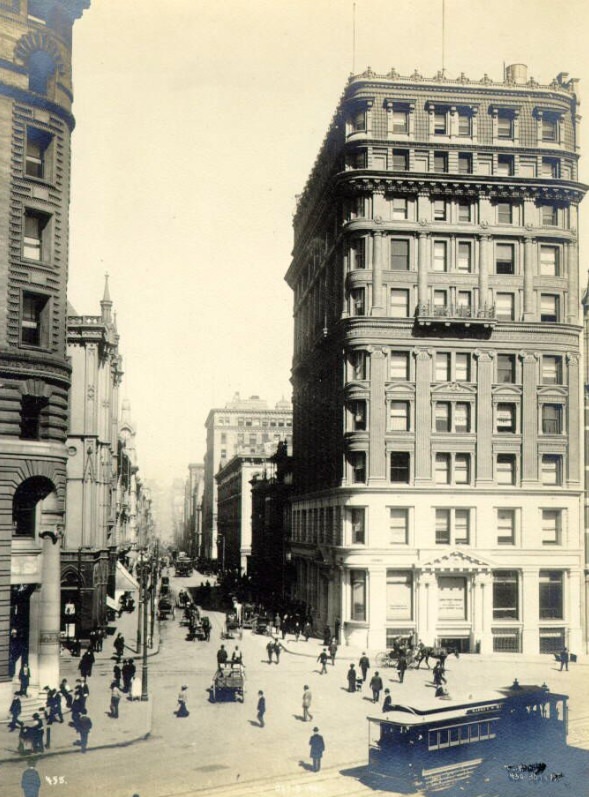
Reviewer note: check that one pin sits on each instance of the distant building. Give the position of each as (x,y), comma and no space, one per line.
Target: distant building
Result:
(193,492)
(88,555)
(437,348)
(36,95)
(244,427)
(234,511)
(270,565)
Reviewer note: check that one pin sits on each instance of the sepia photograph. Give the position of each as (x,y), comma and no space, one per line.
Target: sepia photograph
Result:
(294,398)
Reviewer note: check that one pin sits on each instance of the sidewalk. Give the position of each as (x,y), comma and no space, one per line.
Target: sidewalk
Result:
(135,718)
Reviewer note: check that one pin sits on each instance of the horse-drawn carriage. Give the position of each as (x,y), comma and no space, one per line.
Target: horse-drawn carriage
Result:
(403,647)
(228,683)
(165,607)
(231,627)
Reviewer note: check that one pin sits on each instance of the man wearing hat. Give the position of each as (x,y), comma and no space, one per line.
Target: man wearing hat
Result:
(317,746)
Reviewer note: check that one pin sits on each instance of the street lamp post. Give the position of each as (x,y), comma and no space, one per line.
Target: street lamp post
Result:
(144,695)
(140,602)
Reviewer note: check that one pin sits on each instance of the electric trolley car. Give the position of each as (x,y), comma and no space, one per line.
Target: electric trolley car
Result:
(440,743)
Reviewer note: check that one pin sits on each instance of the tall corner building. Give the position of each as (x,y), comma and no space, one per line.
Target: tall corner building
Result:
(36,123)
(436,373)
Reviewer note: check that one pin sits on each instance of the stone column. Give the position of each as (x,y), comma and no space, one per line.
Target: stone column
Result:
(529,601)
(377,607)
(426,608)
(484,455)
(482,617)
(572,271)
(422,263)
(50,611)
(377,297)
(423,418)
(574,440)
(484,258)
(572,602)
(529,418)
(529,273)
(377,418)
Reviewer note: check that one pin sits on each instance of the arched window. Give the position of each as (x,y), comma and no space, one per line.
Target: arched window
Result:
(41,68)
(24,505)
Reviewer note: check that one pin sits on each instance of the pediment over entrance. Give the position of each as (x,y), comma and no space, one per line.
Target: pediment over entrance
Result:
(456,562)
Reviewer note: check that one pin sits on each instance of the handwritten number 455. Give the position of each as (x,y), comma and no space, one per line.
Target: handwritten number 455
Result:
(54,780)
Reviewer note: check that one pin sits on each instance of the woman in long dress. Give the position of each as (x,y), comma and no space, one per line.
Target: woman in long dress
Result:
(136,688)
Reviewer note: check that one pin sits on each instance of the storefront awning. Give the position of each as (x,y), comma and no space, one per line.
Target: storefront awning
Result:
(111,603)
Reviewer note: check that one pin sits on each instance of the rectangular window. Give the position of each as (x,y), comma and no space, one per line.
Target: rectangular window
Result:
(549,129)
(464,211)
(398,526)
(464,124)
(440,124)
(461,526)
(551,595)
(551,526)
(505,595)
(359,121)
(439,210)
(442,527)
(462,416)
(399,303)
(358,418)
(34,320)
(357,254)
(357,518)
(399,365)
(506,526)
(440,256)
(399,416)
(442,416)
(504,213)
(35,228)
(549,307)
(462,371)
(358,307)
(30,417)
(440,162)
(442,469)
(505,126)
(400,160)
(440,303)
(462,469)
(36,153)
(399,595)
(551,469)
(464,163)
(505,418)
(549,261)
(527,167)
(464,259)
(358,588)
(552,419)
(551,370)
(400,121)
(464,304)
(504,259)
(505,306)
(400,208)
(442,364)
(506,369)
(505,470)
(357,461)
(549,216)
(399,255)
(358,363)
(550,167)
(505,165)
(400,464)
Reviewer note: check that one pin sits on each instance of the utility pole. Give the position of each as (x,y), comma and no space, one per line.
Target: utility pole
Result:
(140,602)
(144,695)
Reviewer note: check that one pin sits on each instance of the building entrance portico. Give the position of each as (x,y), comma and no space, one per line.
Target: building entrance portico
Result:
(454,607)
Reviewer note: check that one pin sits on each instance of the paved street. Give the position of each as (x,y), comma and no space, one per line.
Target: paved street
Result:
(219,748)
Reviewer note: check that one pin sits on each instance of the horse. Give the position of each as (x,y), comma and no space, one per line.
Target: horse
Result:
(428,652)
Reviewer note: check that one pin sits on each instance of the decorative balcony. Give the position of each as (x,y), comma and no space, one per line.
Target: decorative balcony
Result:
(453,314)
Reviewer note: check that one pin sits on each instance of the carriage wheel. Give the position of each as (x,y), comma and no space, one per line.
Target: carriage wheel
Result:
(382,659)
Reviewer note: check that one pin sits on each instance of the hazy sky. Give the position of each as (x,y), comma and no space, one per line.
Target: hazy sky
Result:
(197,124)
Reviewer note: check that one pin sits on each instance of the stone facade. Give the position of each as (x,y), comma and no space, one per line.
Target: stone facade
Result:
(437,462)
(36,124)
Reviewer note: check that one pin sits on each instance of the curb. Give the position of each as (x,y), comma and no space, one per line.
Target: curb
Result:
(68,751)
